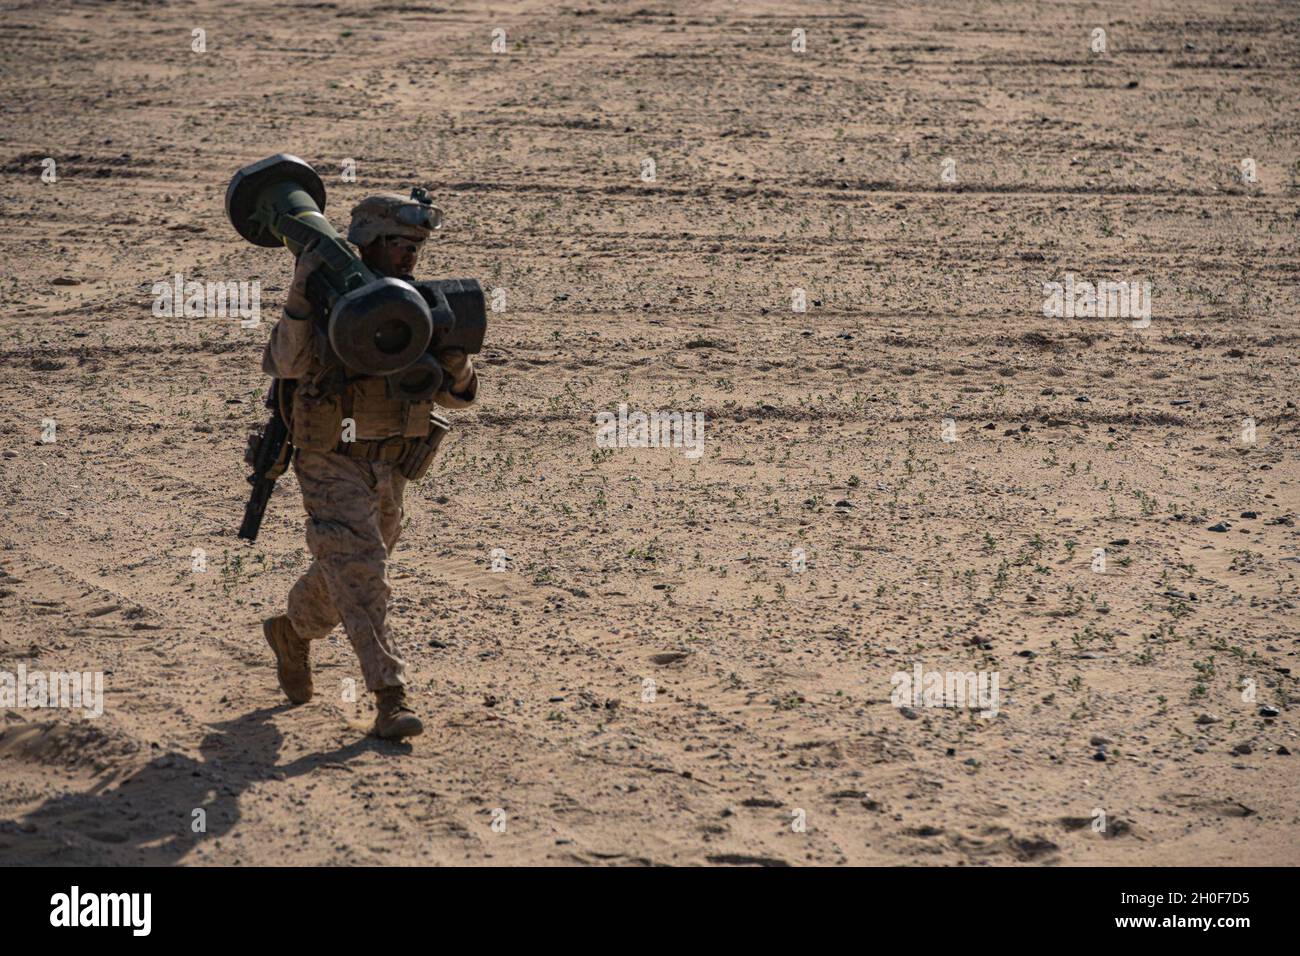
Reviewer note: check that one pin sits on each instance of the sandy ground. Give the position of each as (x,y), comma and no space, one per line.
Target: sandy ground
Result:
(824,431)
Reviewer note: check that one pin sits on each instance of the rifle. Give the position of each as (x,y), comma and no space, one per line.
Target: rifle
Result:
(268,453)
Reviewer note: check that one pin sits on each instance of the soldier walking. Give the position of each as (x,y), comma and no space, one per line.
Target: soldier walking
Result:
(352,490)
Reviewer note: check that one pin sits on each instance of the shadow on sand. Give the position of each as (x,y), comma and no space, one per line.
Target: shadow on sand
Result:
(146,816)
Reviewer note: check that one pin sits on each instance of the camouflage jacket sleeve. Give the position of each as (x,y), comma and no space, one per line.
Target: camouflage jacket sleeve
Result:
(463,389)
(291,349)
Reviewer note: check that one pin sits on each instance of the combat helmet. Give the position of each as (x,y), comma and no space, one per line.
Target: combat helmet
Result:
(392,214)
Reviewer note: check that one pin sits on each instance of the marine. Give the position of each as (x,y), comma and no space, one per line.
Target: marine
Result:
(352,490)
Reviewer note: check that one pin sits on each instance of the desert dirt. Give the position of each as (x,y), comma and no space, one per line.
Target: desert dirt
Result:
(825,431)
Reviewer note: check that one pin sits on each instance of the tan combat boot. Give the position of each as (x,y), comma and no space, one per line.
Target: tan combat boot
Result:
(396,720)
(292,658)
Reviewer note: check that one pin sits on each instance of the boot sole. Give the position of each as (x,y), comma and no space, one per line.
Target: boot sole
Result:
(397,736)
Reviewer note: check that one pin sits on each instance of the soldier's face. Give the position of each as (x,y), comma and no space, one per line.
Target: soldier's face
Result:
(392,255)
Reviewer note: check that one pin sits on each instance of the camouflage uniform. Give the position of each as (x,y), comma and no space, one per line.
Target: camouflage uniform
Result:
(354,510)
(354,505)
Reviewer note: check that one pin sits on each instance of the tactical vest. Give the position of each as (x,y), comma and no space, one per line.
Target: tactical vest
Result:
(324,400)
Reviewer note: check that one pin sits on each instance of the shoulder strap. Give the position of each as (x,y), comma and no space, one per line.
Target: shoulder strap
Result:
(343,385)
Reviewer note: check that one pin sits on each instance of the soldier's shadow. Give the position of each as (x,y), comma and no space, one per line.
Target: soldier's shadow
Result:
(161,811)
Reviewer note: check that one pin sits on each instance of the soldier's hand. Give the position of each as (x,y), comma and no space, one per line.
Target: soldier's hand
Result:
(458,368)
(296,302)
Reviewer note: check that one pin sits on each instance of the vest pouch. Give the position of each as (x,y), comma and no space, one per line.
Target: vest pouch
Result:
(419,454)
(317,417)
(418,420)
